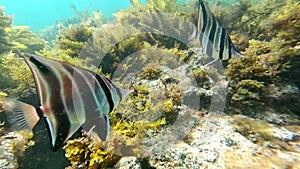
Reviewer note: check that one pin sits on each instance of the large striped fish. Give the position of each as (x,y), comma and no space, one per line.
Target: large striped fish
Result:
(214,39)
(69,98)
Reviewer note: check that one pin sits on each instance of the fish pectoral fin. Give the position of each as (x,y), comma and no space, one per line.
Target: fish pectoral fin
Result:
(19,115)
(99,125)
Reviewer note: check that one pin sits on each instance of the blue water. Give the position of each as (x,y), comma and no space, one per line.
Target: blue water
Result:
(39,14)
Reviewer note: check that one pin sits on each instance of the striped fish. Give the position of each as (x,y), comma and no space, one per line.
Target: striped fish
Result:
(69,98)
(214,39)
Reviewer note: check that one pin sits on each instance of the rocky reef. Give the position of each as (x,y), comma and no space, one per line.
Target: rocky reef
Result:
(243,113)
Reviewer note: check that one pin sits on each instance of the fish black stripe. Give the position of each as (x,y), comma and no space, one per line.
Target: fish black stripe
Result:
(39,88)
(70,94)
(210,44)
(204,13)
(39,65)
(223,34)
(116,88)
(233,47)
(226,48)
(62,120)
(63,127)
(56,105)
(217,40)
(229,47)
(213,29)
(107,82)
(214,39)
(106,91)
(87,83)
(207,45)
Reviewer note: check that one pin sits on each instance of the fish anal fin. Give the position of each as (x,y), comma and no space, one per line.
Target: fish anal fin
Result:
(99,125)
(125,92)
(19,115)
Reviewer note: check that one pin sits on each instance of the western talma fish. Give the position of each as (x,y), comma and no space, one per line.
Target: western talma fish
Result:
(214,39)
(69,98)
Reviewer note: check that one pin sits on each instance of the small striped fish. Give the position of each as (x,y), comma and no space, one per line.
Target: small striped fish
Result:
(69,98)
(214,39)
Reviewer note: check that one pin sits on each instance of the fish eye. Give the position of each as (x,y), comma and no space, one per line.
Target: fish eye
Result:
(41,67)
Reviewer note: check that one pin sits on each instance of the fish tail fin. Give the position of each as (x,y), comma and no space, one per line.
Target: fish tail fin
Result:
(19,115)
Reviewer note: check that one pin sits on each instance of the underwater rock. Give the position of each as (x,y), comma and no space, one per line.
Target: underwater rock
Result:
(215,143)
(203,148)
(12,146)
(128,162)
(179,155)
(280,118)
(283,134)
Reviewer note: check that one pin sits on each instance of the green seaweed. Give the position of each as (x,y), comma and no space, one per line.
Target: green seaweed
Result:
(150,73)
(16,76)
(249,127)
(124,140)
(260,20)
(266,64)
(173,93)
(133,19)
(5,22)
(137,128)
(84,152)
(72,40)
(140,98)
(201,76)
(249,92)
(272,54)
(3,94)
(173,99)
(170,6)
(24,40)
